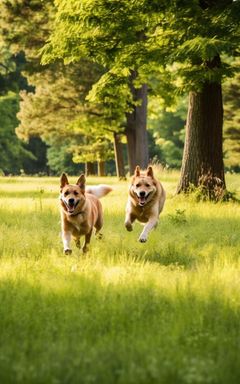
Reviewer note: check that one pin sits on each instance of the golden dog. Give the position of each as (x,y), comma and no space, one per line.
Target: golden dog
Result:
(145,202)
(81,211)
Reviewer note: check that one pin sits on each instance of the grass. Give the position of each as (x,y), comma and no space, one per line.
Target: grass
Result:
(167,311)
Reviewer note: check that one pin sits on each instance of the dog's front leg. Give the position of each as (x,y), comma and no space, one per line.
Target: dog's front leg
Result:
(129,220)
(66,238)
(147,228)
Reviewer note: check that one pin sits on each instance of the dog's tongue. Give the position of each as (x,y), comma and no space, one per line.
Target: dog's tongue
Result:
(70,209)
(142,200)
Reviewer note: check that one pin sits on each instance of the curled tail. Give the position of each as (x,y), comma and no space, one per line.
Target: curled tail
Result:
(99,190)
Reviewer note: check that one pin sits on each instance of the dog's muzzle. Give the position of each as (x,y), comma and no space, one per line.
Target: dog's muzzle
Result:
(70,204)
(142,198)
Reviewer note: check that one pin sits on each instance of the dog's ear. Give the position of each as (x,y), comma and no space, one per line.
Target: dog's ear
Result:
(81,181)
(137,171)
(63,180)
(150,171)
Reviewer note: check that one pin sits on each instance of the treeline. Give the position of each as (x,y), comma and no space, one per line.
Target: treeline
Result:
(97,74)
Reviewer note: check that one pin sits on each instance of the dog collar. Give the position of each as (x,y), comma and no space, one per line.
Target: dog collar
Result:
(76,214)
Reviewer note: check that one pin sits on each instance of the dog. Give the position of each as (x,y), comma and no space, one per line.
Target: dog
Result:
(145,202)
(81,211)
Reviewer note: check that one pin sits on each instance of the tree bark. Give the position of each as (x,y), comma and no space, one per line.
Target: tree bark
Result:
(131,142)
(203,154)
(118,151)
(101,168)
(89,168)
(136,128)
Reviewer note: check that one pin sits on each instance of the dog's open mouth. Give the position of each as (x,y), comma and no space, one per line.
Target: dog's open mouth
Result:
(71,207)
(142,200)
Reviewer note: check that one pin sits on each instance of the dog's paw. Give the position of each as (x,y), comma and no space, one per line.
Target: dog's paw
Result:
(128,226)
(78,244)
(67,251)
(142,239)
(85,249)
(99,235)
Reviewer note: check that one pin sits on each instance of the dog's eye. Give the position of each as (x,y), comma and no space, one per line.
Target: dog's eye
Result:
(147,185)
(75,193)
(66,193)
(138,185)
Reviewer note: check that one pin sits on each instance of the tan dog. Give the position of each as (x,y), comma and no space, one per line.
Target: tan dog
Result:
(145,202)
(81,211)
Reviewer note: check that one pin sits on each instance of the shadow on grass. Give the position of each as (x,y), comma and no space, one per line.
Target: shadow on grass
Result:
(81,331)
(187,245)
(172,255)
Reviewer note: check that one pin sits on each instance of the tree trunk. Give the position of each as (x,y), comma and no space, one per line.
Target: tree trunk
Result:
(118,151)
(89,168)
(202,162)
(136,128)
(101,168)
(142,154)
(131,142)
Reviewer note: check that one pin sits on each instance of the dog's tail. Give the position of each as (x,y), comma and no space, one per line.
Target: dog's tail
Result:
(99,190)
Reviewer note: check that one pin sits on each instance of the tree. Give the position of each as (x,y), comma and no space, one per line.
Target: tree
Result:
(42,114)
(16,155)
(100,34)
(83,126)
(185,42)
(209,30)
(193,35)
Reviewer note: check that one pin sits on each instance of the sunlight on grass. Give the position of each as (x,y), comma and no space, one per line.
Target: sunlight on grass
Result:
(161,312)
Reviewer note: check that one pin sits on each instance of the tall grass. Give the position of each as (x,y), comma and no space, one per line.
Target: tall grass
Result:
(167,311)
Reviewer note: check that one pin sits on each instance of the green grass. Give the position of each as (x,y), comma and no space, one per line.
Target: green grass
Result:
(167,311)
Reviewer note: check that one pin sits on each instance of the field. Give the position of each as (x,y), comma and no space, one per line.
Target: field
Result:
(167,311)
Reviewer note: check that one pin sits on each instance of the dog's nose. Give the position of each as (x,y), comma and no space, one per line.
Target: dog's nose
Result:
(71,201)
(142,193)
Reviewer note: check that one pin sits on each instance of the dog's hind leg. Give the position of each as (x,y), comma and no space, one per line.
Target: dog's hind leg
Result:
(87,241)
(98,227)
(77,242)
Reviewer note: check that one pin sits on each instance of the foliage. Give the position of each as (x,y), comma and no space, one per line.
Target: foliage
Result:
(39,149)
(167,126)
(203,31)
(171,46)
(179,217)
(60,159)
(57,106)
(11,67)
(58,109)
(231,93)
(24,26)
(12,152)
(31,156)
(124,37)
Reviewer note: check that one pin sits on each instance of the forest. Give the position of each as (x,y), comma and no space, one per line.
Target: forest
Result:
(101,86)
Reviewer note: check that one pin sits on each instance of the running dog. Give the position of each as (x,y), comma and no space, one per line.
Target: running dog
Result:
(145,202)
(81,211)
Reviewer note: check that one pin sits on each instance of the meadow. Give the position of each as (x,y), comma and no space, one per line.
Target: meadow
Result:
(167,311)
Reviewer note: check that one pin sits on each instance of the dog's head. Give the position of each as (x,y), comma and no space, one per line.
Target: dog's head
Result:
(72,196)
(143,186)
